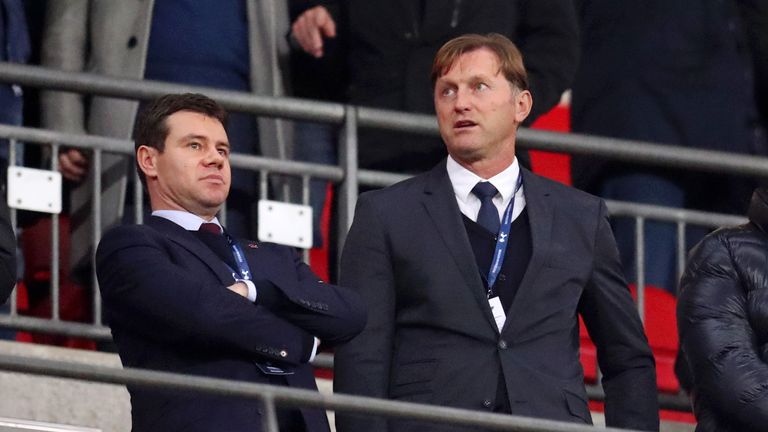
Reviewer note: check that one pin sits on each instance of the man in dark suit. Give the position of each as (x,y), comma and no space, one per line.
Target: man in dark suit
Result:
(458,318)
(181,295)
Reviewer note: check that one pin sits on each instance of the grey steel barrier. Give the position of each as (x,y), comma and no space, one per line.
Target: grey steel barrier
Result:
(306,170)
(301,109)
(99,332)
(348,174)
(270,396)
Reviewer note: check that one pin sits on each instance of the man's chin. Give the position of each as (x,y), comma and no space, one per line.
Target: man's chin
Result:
(466,154)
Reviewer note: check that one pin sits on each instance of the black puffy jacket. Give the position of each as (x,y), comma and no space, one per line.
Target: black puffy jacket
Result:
(722,316)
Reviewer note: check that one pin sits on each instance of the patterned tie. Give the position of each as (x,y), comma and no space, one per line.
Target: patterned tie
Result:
(210,227)
(488,217)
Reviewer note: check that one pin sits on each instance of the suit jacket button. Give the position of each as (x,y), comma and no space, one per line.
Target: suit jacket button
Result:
(487,403)
(502,344)
(283,353)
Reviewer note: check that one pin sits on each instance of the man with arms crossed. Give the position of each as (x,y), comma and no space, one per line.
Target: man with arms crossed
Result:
(476,271)
(182,295)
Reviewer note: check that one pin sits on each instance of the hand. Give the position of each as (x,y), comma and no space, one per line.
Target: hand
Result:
(239,288)
(310,28)
(73,164)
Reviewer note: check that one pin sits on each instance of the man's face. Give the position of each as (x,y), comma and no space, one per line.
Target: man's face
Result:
(478,111)
(192,173)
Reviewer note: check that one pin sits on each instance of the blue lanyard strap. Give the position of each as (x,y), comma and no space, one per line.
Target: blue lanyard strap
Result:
(243,270)
(502,239)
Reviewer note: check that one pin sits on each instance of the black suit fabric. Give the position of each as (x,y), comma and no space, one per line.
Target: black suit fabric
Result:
(167,304)
(431,336)
(516,258)
(7,247)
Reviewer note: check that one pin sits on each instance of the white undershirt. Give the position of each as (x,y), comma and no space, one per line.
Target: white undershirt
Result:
(464,180)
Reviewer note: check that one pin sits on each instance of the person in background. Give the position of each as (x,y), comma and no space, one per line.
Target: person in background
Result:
(675,73)
(14,48)
(234,45)
(378,54)
(722,317)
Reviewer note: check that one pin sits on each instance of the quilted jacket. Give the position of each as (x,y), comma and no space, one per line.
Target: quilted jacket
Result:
(722,318)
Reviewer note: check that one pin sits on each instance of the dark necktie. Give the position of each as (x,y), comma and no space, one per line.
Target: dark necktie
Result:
(210,227)
(488,217)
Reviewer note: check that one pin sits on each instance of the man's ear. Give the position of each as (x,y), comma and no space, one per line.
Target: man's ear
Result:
(523,103)
(146,157)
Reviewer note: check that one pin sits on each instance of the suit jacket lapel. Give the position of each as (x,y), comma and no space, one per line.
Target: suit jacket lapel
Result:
(540,215)
(440,203)
(188,241)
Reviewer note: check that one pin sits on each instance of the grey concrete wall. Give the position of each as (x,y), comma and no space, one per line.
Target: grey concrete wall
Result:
(58,400)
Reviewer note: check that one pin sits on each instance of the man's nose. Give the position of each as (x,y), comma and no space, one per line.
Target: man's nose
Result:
(461,102)
(214,157)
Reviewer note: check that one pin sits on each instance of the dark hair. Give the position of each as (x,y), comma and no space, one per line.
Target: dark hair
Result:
(510,59)
(151,128)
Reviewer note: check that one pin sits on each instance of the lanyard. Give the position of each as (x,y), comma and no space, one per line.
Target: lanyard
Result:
(244,271)
(501,240)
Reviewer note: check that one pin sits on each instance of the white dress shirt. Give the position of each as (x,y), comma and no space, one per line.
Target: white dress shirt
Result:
(464,180)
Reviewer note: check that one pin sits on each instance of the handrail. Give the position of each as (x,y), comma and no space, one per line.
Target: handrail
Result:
(639,152)
(368,177)
(287,396)
(102,333)
(627,150)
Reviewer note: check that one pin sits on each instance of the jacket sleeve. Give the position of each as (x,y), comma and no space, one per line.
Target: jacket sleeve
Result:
(625,359)
(362,366)
(726,362)
(548,39)
(146,292)
(64,48)
(7,252)
(331,313)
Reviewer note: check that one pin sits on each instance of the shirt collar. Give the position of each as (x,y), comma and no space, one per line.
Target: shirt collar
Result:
(186,220)
(464,180)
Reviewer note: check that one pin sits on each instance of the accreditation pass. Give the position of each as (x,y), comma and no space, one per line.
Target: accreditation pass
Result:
(498,312)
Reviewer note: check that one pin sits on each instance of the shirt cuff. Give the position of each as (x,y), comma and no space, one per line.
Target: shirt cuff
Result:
(252,294)
(314,350)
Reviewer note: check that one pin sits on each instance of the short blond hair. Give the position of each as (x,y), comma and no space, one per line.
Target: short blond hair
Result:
(510,59)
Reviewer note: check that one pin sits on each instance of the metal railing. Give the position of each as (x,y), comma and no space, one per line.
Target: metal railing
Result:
(270,396)
(346,175)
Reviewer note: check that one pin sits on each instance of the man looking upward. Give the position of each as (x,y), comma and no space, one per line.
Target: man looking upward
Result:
(475,272)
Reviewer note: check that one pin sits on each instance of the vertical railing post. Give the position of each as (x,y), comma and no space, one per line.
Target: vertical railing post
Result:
(640,265)
(269,417)
(348,188)
(138,197)
(681,243)
(96,215)
(305,179)
(55,248)
(263,184)
(14,305)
